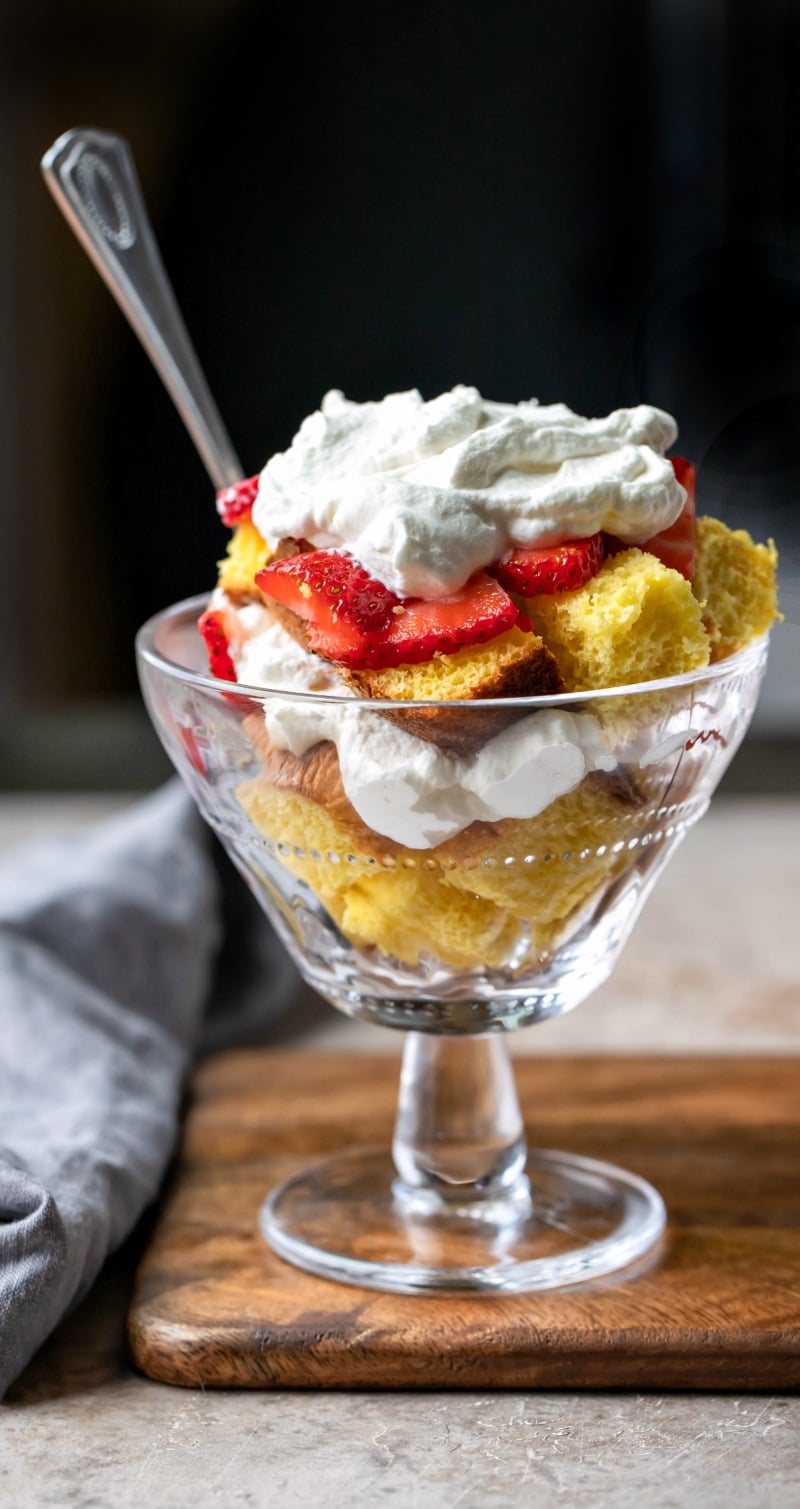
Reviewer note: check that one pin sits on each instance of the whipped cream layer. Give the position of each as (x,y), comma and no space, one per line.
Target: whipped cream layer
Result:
(424,494)
(412,792)
(401,786)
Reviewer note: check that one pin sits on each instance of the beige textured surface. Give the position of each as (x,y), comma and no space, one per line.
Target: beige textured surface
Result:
(714,965)
(128,1441)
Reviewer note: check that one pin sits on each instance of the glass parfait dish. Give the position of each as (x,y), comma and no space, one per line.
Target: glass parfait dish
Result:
(498,925)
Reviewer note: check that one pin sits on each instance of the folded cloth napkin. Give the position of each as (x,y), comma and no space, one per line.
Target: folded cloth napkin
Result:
(109,950)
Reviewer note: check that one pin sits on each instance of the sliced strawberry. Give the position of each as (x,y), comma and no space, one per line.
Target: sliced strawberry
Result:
(355,620)
(420,629)
(212,628)
(686,473)
(331,590)
(676,546)
(557,568)
(194,754)
(235,504)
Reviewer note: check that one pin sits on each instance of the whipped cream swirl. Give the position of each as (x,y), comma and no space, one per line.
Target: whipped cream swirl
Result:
(424,494)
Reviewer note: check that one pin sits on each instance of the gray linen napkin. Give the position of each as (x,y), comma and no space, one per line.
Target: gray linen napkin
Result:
(109,944)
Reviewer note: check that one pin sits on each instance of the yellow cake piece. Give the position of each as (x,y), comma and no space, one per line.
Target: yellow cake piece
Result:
(511,664)
(287,817)
(405,909)
(636,620)
(411,912)
(247,552)
(495,895)
(541,868)
(735,584)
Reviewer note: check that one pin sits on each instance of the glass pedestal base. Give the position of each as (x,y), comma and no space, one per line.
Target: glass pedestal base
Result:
(566,1220)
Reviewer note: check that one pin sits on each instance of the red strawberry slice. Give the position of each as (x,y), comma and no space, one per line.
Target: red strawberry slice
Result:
(556,568)
(676,546)
(212,628)
(235,504)
(423,628)
(331,590)
(355,620)
(194,754)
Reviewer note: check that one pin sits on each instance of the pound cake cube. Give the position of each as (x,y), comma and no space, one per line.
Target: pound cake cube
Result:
(247,552)
(405,910)
(734,581)
(514,664)
(411,913)
(637,620)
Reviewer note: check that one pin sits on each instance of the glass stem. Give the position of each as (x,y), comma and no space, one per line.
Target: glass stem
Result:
(459,1134)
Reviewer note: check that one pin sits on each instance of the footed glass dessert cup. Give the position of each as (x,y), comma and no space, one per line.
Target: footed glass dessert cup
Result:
(476,867)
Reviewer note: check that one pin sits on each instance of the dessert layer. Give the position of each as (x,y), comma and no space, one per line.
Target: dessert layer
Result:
(402,786)
(496,894)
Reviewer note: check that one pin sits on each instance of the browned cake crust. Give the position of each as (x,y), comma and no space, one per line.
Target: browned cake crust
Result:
(533,674)
(456,730)
(288,621)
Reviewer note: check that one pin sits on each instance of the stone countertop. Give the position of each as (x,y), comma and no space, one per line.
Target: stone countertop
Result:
(80,1428)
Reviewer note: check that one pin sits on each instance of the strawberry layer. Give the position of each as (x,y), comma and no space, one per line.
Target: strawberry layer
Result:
(354,621)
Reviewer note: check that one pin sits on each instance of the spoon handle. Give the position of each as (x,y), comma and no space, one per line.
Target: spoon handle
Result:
(92,177)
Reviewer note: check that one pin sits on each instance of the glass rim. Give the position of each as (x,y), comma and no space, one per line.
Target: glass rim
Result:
(193,606)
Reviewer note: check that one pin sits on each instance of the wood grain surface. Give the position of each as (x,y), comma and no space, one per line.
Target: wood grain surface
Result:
(716,1307)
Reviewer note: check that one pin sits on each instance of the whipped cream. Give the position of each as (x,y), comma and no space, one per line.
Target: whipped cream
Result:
(265,655)
(412,792)
(424,494)
(404,787)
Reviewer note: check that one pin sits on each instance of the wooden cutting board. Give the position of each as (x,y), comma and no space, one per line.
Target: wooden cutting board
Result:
(718,1306)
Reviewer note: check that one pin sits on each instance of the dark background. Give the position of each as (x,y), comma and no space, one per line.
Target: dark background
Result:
(590,202)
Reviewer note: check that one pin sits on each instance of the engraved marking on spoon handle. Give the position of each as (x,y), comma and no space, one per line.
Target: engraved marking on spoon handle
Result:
(92,177)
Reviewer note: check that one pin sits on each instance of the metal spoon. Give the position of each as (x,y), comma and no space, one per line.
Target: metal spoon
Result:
(92,177)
